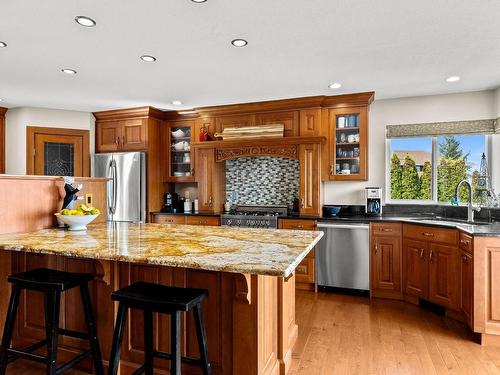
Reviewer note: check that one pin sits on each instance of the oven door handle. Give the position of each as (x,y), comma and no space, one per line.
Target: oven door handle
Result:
(343,226)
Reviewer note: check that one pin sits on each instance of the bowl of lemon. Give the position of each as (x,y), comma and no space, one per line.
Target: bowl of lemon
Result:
(79,218)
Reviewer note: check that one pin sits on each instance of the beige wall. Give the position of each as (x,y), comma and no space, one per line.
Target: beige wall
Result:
(17,119)
(450,107)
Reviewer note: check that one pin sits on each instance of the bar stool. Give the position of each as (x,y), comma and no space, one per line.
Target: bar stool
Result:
(151,298)
(52,283)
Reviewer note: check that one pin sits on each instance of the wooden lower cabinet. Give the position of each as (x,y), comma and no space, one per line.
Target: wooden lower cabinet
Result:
(415,266)
(386,264)
(186,219)
(203,220)
(466,286)
(444,287)
(168,219)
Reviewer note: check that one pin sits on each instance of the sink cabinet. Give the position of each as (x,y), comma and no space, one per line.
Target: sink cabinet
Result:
(415,266)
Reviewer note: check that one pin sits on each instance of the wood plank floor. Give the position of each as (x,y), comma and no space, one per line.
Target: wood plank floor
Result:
(341,334)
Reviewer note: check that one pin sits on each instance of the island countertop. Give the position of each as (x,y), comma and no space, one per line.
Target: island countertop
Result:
(240,250)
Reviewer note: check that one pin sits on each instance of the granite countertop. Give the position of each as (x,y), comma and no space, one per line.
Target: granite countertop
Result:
(240,250)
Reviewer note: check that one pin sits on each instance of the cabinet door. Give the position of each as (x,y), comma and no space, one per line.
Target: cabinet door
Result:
(443,276)
(179,140)
(466,285)
(134,134)
(290,120)
(309,189)
(203,220)
(415,267)
(234,121)
(108,136)
(310,122)
(169,219)
(348,144)
(386,263)
(204,173)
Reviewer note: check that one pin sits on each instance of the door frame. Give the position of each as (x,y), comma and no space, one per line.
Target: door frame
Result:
(32,131)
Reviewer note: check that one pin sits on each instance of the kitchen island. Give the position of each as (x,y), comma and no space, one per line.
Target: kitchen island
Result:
(250,311)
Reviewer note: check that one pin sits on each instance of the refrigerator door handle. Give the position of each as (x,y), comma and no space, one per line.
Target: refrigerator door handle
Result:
(115,186)
(111,187)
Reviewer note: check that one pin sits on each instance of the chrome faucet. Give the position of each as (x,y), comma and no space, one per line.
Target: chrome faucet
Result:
(470,207)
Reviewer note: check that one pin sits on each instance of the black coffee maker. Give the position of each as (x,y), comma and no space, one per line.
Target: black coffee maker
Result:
(168,202)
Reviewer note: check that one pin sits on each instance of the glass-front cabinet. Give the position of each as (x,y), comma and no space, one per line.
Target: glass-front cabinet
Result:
(348,149)
(179,142)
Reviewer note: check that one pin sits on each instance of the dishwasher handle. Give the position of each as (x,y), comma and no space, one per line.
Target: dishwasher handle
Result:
(343,226)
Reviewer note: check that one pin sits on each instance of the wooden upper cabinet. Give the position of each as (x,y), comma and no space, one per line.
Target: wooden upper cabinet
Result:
(348,144)
(416,268)
(179,161)
(290,120)
(210,177)
(2,139)
(309,181)
(443,275)
(386,257)
(121,135)
(234,121)
(310,122)
(134,134)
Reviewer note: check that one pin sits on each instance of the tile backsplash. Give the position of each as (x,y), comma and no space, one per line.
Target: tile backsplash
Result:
(262,180)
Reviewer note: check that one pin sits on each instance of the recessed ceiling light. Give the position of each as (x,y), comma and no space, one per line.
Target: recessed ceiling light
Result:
(148,58)
(453,79)
(69,71)
(1,100)
(85,21)
(3,44)
(335,85)
(198,1)
(176,102)
(239,42)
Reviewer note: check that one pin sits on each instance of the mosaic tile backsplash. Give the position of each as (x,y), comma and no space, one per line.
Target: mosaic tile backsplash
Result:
(262,180)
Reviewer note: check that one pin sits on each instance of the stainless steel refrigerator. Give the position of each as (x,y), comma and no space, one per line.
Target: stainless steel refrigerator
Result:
(126,197)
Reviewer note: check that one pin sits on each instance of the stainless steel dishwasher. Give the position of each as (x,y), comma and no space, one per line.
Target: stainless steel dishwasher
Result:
(342,257)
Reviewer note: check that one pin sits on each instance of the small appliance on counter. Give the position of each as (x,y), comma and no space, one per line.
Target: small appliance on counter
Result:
(373,201)
(167,203)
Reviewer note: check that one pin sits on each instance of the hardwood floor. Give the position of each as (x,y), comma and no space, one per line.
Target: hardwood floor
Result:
(341,334)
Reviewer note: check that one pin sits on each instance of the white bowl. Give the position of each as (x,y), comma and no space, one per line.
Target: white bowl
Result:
(180,146)
(76,222)
(178,134)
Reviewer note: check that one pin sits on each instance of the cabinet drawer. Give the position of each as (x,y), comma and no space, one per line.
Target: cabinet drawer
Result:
(304,273)
(381,229)
(203,220)
(465,242)
(432,234)
(297,224)
(169,219)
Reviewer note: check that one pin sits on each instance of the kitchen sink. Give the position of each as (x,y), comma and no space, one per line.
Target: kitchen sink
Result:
(450,222)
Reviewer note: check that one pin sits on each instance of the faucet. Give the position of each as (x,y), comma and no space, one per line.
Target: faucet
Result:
(470,207)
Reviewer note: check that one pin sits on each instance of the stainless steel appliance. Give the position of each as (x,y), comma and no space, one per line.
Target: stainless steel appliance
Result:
(373,201)
(342,257)
(250,216)
(126,186)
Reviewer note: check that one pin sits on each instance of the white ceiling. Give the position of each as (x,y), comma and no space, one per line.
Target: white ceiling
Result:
(296,48)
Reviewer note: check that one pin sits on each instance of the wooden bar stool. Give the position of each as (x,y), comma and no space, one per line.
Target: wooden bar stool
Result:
(165,300)
(52,283)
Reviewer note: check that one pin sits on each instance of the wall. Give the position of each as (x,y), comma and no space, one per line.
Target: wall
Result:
(17,119)
(450,107)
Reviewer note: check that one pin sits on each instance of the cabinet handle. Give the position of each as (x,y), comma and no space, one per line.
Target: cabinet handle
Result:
(123,139)
(331,168)
(302,202)
(464,258)
(210,201)
(422,253)
(117,142)
(427,234)
(299,226)
(464,242)
(430,256)
(386,229)
(376,247)
(192,171)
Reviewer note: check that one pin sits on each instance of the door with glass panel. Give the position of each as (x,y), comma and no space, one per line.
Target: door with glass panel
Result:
(57,152)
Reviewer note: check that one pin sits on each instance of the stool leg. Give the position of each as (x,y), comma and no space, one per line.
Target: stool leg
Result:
(148,342)
(9,328)
(94,342)
(202,340)
(114,359)
(175,343)
(52,308)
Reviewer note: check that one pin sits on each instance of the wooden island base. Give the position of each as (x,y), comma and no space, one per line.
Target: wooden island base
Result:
(250,320)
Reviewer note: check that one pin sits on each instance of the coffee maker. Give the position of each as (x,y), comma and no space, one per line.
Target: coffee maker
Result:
(373,201)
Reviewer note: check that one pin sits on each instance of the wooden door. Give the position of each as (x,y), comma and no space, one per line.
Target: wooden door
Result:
(466,285)
(415,267)
(443,276)
(134,134)
(234,121)
(309,189)
(204,174)
(386,258)
(108,136)
(57,152)
(310,122)
(290,120)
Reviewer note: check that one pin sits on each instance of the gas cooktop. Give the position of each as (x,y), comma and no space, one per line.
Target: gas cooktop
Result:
(254,216)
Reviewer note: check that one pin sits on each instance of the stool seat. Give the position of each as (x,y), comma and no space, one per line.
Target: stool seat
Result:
(43,279)
(157,297)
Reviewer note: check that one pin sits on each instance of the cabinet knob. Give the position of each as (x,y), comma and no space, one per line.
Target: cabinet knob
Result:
(376,247)
(464,258)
